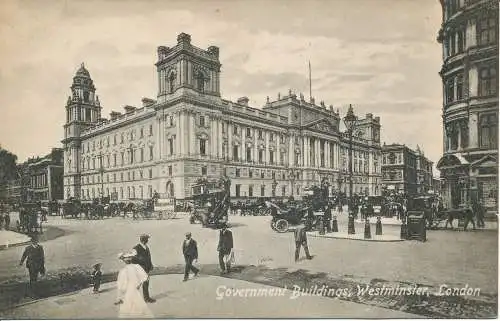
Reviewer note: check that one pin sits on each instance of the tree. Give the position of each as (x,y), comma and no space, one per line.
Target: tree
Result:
(8,168)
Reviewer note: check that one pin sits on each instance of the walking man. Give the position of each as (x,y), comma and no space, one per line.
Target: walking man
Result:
(469,217)
(301,240)
(35,261)
(143,258)
(225,248)
(190,251)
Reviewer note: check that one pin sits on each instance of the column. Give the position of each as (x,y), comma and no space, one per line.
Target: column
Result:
(182,133)
(192,134)
(291,151)
(317,151)
(178,137)
(266,151)
(305,154)
(220,137)
(243,146)
(230,141)
(255,157)
(327,154)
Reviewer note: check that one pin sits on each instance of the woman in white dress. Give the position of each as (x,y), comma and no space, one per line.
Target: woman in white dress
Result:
(129,284)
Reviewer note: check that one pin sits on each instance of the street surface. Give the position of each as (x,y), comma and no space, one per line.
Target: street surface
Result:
(454,258)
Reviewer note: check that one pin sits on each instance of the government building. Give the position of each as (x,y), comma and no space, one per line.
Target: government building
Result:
(189,132)
(469,166)
(405,171)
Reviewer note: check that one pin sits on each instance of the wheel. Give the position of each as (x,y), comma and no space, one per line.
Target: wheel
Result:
(281,226)
(273,225)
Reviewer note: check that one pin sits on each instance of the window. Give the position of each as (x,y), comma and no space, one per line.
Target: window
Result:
(450,91)
(235,130)
(121,138)
(282,139)
(454,137)
(223,128)
(114,177)
(261,156)
(238,172)
(142,154)
(260,134)
(297,159)
(452,44)
(271,137)
(150,152)
(249,132)
(171,121)
(123,158)
(235,153)
(170,170)
(121,177)
(203,147)
(200,82)
(262,174)
(283,190)
(460,87)
(170,146)
(460,42)
(202,121)
(250,173)
(203,170)
(150,173)
(488,81)
(142,132)
(238,188)
(249,154)
(131,156)
(271,157)
(150,130)
(488,131)
(133,176)
(273,175)
(87,115)
(150,191)
(282,158)
(171,82)
(250,190)
(262,190)
(487,30)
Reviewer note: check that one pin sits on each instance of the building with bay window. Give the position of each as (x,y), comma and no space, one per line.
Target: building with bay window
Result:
(189,132)
(469,166)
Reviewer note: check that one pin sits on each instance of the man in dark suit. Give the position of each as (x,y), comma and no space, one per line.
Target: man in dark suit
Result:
(35,260)
(301,240)
(225,248)
(143,258)
(190,251)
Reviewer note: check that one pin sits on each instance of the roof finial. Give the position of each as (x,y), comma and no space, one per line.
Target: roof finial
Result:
(83,65)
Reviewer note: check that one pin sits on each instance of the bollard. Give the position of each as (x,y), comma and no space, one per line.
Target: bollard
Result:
(335,226)
(378,227)
(350,225)
(321,227)
(368,233)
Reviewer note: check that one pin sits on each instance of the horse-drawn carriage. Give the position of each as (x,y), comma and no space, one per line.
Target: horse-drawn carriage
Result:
(31,218)
(210,203)
(250,207)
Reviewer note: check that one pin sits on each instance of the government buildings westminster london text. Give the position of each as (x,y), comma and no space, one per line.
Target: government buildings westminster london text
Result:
(191,132)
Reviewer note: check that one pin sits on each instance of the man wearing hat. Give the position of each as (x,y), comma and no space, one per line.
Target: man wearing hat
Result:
(143,258)
(190,251)
(225,248)
(35,260)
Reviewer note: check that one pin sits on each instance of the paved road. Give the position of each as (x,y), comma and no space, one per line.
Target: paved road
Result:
(448,257)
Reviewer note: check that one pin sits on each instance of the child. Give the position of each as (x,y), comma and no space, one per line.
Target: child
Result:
(96,277)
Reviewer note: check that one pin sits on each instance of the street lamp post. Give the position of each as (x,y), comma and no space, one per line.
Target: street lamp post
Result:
(273,185)
(101,171)
(350,122)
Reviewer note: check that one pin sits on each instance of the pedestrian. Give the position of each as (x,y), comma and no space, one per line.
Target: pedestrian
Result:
(480,214)
(96,277)
(35,262)
(143,258)
(190,252)
(6,220)
(225,249)
(130,279)
(469,217)
(301,240)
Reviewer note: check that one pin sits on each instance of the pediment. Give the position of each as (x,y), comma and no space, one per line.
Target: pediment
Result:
(487,161)
(322,125)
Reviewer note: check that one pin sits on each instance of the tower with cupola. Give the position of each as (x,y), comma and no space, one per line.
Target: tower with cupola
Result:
(83,109)
(186,68)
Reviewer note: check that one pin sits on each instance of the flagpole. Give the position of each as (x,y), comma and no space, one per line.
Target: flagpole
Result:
(310,82)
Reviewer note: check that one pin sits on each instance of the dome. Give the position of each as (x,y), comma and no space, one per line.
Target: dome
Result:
(82,72)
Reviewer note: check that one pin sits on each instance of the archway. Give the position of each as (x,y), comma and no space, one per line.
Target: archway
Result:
(169,189)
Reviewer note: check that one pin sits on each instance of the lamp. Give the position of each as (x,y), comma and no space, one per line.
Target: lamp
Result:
(350,121)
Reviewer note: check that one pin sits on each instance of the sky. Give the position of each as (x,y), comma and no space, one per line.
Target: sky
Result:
(381,56)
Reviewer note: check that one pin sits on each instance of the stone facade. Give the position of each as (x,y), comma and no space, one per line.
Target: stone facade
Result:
(46,177)
(189,132)
(405,171)
(469,166)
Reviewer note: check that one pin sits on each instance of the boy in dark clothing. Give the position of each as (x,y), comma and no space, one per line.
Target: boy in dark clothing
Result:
(96,277)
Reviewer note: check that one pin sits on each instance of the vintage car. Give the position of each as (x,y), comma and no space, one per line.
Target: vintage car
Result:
(210,204)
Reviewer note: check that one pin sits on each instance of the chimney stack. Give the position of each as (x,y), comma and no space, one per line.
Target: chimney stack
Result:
(114,115)
(243,101)
(129,109)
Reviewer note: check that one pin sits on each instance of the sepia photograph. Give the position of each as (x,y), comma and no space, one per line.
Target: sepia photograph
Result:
(249,159)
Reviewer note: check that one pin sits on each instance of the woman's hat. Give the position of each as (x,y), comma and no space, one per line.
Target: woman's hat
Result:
(97,265)
(127,255)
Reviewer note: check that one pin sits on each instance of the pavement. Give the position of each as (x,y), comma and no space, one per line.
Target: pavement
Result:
(383,220)
(359,236)
(202,297)
(11,238)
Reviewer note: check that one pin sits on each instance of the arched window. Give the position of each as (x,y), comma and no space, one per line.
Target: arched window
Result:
(171,82)
(86,96)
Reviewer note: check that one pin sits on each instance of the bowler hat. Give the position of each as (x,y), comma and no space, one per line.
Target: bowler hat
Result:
(145,236)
